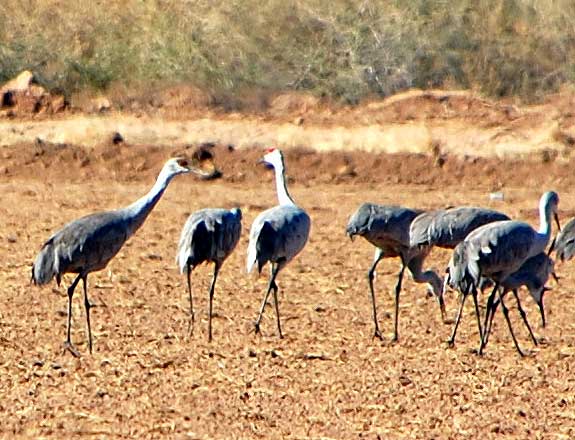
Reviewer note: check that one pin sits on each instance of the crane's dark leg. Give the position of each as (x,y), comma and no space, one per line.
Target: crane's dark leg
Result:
(487,330)
(88,306)
(191,324)
(276,302)
(506,314)
(370,276)
(477,314)
(215,277)
(271,285)
(397,291)
(451,340)
(524,317)
(68,344)
(490,308)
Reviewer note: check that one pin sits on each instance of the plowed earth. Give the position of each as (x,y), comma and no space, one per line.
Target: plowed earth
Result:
(328,378)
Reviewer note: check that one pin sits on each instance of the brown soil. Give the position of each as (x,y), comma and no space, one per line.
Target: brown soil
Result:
(328,378)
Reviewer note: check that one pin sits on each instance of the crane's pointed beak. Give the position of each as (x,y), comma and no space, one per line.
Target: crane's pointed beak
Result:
(557,222)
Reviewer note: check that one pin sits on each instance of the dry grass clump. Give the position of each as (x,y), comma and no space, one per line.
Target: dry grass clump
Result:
(346,49)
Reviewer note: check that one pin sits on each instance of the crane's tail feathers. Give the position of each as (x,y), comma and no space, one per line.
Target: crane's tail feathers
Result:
(252,260)
(182,261)
(44,268)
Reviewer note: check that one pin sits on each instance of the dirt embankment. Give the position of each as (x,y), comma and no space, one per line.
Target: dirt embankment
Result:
(421,122)
(126,163)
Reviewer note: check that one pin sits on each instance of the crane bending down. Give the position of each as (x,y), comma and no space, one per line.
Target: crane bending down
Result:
(564,246)
(387,228)
(496,251)
(277,234)
(87,245)
(446,228)
(533,274)
(209,235)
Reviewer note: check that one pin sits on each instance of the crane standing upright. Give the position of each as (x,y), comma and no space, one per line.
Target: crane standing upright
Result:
(209,235)
(277,234)
(87,244)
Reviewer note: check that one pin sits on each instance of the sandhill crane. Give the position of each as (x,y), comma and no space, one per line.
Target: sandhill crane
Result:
(496,251)
(387,228)
(87,244)
(532,274)
(564,245)
(209,235)
(446,228)
(277,234)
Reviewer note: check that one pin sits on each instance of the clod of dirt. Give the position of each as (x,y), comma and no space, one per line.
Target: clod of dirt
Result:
(404,380)
(117,138)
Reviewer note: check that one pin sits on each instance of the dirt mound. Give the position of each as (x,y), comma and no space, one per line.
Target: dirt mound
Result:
(287,104)
(22,96)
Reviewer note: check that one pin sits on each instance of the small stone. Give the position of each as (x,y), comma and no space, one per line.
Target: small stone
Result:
(404,380)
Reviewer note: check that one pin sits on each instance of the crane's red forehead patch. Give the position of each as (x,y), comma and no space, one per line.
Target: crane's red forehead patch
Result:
(270,150)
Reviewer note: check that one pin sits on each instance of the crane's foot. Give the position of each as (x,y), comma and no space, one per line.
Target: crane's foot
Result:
(257,328)
(395,339)
(377,334)
(68,346)
(451,342)
(448,321)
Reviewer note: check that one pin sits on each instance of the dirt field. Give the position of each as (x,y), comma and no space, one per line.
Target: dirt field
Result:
(328,378)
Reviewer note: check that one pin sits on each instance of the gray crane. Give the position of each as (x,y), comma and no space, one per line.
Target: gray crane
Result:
(387,228)
(277,234)
(564,245)
(532,274)
(446,228)
(496,251)
(87,244)
(209,235)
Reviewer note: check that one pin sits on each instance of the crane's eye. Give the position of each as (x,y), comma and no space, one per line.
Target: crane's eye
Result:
(183,163)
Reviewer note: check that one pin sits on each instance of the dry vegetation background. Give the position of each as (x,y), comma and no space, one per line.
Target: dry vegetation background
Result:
(345,49)
(243,75)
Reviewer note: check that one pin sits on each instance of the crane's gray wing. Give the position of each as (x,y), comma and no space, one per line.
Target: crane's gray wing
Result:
(498,249)
(208,235)
(84,245)
(565,243)
(230,226)
(277,235)
(382,225)
(448,227)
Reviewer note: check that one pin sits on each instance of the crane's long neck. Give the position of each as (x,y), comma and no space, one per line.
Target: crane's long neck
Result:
(544,232)
(137,212)
(544,220)
(283,195)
